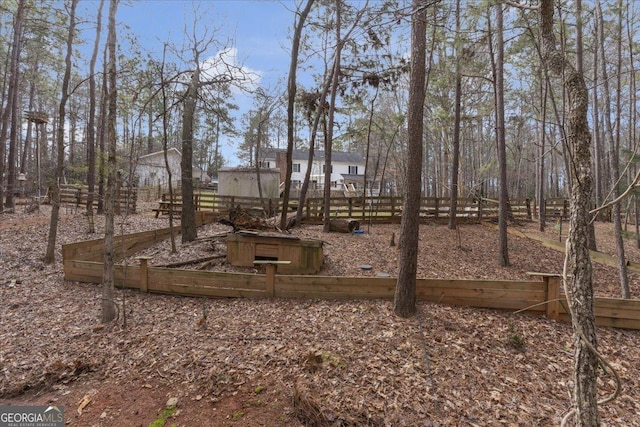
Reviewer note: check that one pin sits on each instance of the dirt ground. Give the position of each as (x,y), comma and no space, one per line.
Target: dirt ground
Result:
(231,362)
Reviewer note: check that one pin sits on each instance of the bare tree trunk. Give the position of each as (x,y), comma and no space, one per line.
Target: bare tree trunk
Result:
(91,131)
(617,208)
(312,142)
(614,154)
(366,157)
(13,108)
(188,214)
(578,276)
(49,257)
(332,105)
(405,294)
(165,140)
(498,73)
(579,67)
(291,97)
(257,157)
(28,142)
(102,125)
(542,213)
(597,149)
(456,128)
(633,111)
(108,279)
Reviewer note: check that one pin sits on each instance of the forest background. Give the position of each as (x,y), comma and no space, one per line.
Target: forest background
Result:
(495,105)
(371,92)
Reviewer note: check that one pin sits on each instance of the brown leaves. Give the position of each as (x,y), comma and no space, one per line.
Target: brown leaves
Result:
(333,362)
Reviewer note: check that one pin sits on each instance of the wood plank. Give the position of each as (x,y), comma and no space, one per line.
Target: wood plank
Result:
(130,274)
(204,291)
(524,298)
(332,291)
(334,287)
(618,323)
(338,280)
(266,250)
(161,275)
(83,271)
(485,303)
(531,285)
(617,308)
(332,295)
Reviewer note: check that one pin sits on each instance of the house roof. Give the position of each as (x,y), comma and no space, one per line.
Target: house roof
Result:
(156,153)
(336,156)
(197,170)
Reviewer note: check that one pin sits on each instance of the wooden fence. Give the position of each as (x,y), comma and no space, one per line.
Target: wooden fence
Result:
(542,296)
(73,197)
(379,209)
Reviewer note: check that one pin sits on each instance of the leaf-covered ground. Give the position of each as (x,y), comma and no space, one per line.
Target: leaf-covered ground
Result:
(297,362)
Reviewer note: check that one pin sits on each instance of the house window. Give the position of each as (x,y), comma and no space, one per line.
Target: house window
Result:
(264,164)
(324,169)
(296,167)
(353,170)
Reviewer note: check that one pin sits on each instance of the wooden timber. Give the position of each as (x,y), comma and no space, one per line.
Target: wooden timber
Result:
(538,297)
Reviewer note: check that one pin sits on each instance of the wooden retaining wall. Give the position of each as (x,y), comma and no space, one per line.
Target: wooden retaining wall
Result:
(539,297)
(127,245)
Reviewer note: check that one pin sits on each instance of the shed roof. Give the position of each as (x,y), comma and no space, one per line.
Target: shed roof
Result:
(336,156)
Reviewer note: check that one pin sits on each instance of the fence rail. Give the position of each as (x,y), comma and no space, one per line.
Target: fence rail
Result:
(75,196)
(538,297)
(378,208)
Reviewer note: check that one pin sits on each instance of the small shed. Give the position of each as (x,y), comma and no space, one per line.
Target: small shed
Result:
(306,256)
(243,182)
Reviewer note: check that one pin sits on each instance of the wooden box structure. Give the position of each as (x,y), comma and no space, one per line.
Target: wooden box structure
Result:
(243,248)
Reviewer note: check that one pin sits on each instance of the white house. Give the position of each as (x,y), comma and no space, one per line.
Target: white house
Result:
(347,169)
(152,171)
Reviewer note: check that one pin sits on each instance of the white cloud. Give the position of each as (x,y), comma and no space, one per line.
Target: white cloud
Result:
(226,63)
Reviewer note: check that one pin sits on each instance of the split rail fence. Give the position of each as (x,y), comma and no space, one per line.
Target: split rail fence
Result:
(542,296)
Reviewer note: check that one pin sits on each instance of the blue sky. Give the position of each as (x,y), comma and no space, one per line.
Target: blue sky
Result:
(257,29)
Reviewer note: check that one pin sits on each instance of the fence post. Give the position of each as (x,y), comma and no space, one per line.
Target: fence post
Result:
(553,284)
(270,274)
(271,279)
(393,207)
(144,273)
